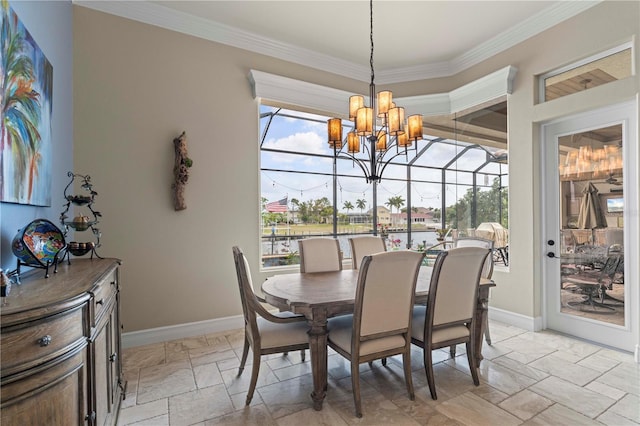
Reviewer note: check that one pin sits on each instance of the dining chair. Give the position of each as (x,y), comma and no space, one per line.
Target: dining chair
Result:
(381,323)
(364,246)
(264,332)
(487,272)
(449,316)
(320,255)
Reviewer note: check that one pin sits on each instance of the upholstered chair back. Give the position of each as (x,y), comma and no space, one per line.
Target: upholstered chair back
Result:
(453,292)
(385,293)
(487,268)
(364,246)
(320,255)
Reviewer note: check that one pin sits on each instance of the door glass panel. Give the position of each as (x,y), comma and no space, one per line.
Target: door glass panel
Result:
(591,240)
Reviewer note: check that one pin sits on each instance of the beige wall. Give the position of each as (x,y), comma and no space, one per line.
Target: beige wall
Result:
(136,87)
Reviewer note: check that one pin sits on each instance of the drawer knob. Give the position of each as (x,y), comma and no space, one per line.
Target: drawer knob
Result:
(113,357)
(100,302)
(44,340)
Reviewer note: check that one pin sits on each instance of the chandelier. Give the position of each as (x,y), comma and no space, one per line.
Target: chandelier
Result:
(377,130)
(587,162)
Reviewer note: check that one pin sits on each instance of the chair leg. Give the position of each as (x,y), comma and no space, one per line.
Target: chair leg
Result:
(355,385)
(452,351)
(245,352)
(428,368)
(255,369)
(384,362)
(302,355)
(406,363)
(487,335)
(471,356)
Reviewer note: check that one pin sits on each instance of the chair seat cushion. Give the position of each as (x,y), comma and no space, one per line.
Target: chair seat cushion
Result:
(341,332)
(288,315)
(440,335)
(276,334)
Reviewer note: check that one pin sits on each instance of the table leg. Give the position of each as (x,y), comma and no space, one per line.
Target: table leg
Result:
(481,315)
(318,349)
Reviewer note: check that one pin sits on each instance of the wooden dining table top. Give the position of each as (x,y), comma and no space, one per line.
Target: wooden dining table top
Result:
(335,288)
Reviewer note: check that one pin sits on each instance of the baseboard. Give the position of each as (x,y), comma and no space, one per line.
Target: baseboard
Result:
(181,331)
(516,320)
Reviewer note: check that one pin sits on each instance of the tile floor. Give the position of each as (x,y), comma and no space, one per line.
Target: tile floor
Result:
(526,379)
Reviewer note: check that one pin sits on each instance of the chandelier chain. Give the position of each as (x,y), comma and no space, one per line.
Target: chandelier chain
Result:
(371,38)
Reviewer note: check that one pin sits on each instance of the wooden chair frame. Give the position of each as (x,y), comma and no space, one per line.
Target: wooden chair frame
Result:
(252,308)
(355,358)
(427,345)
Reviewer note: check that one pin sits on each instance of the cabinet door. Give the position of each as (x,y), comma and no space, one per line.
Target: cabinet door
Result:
(53,395)
(115,362)
(106,356)
(101,392)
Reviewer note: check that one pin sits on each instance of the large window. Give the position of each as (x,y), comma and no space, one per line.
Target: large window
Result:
(461,169)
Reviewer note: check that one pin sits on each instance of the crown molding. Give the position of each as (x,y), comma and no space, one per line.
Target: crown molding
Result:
(526,29)
(161,16)
(289,91)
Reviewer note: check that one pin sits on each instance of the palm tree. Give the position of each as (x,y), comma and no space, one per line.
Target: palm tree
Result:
(347,206)
(20,105)
(295,203)
(361,204)
(396,202)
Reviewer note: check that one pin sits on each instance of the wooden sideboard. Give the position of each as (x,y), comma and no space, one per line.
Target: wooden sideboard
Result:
(60,343)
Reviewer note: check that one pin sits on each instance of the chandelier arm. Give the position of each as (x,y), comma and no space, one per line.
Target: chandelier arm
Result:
(384,164)
(359,162)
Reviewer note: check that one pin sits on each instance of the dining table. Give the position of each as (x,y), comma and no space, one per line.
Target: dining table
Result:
(322,295)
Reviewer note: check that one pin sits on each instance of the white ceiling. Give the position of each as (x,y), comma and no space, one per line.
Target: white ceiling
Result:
(413,39)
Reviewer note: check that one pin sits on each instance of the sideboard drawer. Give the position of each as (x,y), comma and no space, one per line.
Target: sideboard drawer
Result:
(103,293)
(42,340)
(51,394)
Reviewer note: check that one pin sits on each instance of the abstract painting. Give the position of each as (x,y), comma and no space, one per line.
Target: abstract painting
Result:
(26,99)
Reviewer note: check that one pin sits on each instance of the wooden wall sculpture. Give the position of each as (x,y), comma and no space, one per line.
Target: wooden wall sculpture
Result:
(180,171)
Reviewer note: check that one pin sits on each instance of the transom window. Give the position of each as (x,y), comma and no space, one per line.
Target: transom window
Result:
(608,66)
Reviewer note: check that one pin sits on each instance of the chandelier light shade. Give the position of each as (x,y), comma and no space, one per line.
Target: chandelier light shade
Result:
(414,124)
(377,128)
(403,140)
(355,103)
(381,143)
(384,102)
(353,142)
(396,121)
(334,132)
(587,162)
(364,121)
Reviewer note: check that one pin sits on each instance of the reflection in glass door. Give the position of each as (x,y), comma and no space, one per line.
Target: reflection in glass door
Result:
(590,188)
(592,228)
